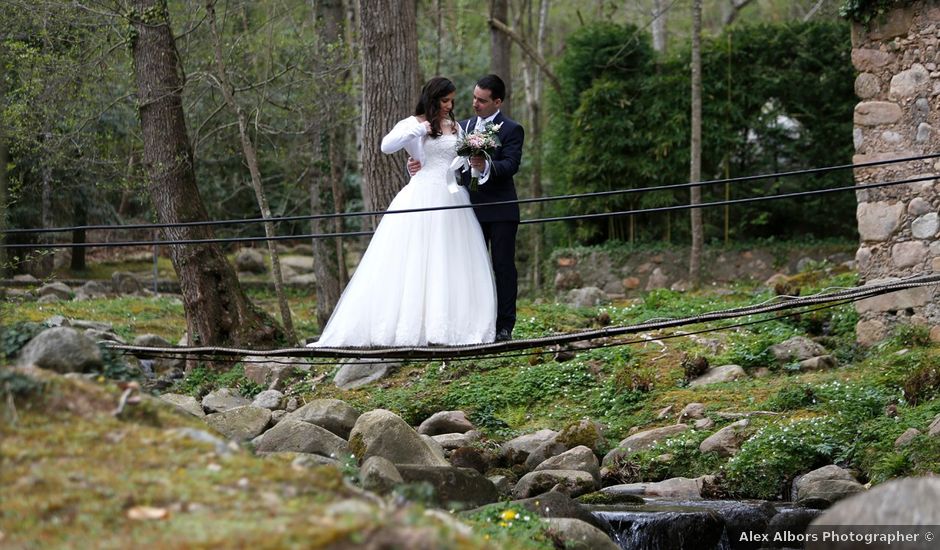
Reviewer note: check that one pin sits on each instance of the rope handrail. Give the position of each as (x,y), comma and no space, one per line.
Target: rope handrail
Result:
(309,217)
(523,222)
(447,352)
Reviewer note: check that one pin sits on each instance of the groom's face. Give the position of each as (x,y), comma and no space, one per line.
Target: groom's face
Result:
(483,103)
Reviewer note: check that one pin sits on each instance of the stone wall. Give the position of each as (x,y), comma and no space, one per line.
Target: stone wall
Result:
(898,115)
(630,273)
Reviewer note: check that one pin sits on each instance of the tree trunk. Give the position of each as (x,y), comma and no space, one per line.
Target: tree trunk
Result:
(45,260)
(658,25)
(325,177)
(217,310)
(4,269)
(533,79)
(695,168)
(389,89)
(251,158)
(500,50)
(80,218)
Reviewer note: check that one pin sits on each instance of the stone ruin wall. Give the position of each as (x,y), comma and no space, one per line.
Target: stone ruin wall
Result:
(898,115)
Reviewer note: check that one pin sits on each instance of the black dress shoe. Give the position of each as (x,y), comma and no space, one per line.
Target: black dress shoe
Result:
(502,335)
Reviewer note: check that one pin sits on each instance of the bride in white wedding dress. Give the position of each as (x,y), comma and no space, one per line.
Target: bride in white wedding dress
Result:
(426,277)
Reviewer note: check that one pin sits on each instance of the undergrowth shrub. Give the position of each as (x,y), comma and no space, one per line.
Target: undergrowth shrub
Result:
(14,337)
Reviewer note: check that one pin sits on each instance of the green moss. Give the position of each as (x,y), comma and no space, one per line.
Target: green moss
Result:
(79,473)
(602,498)
(581,433)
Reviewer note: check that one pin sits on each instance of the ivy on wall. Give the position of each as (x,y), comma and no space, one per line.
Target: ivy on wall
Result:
(865,11)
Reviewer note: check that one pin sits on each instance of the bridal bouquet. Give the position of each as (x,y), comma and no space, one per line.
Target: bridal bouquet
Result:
(479,143)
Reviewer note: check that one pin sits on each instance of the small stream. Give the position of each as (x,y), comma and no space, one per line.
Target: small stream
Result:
(662,524)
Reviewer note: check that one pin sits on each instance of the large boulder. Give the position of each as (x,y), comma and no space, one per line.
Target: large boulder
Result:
(643,440)
(449,442)
(357,373)
(186,403)
(580,458)
(580,535)
(223,399)
(274,375)
(446,422)
(333,414)
(830,483)
(796,349)
(383,433)
(125,283)
(905,501)
(59,290)
(726,441)
(379,475)
(63,350)
(301,437)
(543,452)
(241,423)
(717,375)
(268,399)
(677,487)
(570,482)
(584,432)
(250,260)
(452,486)
(586,297)
(517,450)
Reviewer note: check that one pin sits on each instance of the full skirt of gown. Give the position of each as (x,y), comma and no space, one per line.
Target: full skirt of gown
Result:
(426,277)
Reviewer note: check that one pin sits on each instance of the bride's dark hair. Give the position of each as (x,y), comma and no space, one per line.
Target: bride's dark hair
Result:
(429,104)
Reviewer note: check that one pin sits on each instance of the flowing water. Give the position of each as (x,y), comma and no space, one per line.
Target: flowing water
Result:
(662,524)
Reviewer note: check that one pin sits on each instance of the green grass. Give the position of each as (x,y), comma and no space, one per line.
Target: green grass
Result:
(823,417)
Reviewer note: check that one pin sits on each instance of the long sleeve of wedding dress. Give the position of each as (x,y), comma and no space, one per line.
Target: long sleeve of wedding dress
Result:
(406,135)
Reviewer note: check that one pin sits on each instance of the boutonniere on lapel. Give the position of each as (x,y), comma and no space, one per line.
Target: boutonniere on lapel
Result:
(479,143)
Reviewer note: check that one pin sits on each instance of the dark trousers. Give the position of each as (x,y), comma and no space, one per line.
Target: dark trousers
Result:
(501,239)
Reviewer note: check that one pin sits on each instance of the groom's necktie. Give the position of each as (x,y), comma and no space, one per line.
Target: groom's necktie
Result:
(478,127)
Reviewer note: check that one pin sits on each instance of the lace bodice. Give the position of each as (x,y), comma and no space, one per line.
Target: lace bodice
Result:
(439,152)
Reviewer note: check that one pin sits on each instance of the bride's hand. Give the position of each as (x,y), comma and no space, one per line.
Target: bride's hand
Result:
(427,126)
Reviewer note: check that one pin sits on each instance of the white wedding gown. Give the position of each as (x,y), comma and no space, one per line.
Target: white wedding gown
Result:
(426,277)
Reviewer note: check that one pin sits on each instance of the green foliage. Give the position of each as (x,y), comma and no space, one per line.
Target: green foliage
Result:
(17,335)
(751,350)
(202,380)
(779,450)
(875,454)
(678,456)
(769,460)
(922,384)
(505,524)
(911,335)
(866,11)
(623,123)
(115,367)
(15,384)
(791,398)
(693,366)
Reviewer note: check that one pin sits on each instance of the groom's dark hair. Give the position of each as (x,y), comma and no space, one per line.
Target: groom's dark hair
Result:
(495,85)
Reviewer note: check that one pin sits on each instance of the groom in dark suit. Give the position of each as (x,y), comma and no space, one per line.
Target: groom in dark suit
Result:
(499,222)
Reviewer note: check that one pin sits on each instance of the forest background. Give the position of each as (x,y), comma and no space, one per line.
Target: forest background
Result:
(602,88)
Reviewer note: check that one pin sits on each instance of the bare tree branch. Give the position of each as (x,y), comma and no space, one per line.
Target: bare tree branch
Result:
(809,15)
(500,26)
(734,7)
